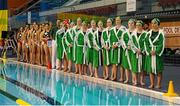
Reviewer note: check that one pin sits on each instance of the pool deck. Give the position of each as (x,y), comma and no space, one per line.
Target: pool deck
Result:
(170,73)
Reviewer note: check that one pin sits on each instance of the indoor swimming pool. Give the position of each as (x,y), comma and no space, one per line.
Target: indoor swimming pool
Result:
(39,86)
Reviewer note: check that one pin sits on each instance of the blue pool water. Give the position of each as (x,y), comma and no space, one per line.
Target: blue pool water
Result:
(36,85)
(6,101)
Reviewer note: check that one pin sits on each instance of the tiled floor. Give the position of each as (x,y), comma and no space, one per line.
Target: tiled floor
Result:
(171,73)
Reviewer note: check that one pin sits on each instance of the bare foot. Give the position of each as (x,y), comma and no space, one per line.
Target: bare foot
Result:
(57,68)
(91,75)
(135,84)
(151,87)
(106,77)
(113,79)
(126,81)
(142,84)
(65,70)
(158,87)
(121,80)
(69,71)
(96,75)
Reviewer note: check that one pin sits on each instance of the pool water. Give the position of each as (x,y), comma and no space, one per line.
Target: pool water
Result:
(38,86)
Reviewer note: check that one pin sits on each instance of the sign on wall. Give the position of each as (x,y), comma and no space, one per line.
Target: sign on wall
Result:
(171,28)
(29,17)
(130,5)
(172,33)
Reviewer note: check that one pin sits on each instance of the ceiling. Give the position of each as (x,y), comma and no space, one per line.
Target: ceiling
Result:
(14,4)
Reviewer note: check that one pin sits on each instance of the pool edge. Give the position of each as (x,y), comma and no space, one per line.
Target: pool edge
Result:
(135,89)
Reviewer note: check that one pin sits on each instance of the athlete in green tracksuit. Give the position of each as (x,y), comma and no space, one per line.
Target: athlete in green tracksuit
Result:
(80,48)
(75,31)
(69,42)
(60,51)
(154,46)
(137,58)
(116,49)
(90,37)
(127,48)
(96,49)
(105,40)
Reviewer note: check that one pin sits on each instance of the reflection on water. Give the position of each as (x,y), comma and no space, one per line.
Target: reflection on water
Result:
(70,90)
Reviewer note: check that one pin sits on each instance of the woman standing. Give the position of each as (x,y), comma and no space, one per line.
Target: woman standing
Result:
(127,49)
(90,37)
(80,46)
(30,42)
(24,33)
(99,36)
(49,43)
(45,36)
(105,41)
(54,47)
(19,43)
(34,44)
(154,46)
(69,42)
(65,46)
(100,30)
(26,43)
(59,38)
(137,58)
(75,31)
(38,45)
(96,51)
(42,44)
(115,42)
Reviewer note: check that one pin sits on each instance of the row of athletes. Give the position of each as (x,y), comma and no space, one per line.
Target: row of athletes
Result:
(132,50)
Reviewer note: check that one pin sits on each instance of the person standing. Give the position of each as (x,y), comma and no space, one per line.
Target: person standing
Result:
(80,46)
(54,46)
(105,41)
(19,43)
(116,50)
(69,42)
(90,37)
(96,51)
(75,31)
(34,44)
(65,46)
(154,46)
(45,54)
(127,49)
(137,57)
(38,45)
(59,38)
(31,42)
(100,30)
(24,41)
